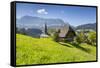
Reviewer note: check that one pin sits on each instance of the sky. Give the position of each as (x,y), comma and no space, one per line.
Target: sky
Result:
(74,15)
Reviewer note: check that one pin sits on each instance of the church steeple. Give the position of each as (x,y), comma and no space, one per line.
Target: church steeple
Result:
(45,28)
(45,33)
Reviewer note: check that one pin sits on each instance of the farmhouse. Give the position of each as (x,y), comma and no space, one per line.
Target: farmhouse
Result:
(66,33)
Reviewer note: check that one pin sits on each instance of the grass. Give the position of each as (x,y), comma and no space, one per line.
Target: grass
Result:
(44,50)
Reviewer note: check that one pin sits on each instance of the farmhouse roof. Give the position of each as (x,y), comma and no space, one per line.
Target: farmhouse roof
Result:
(64,30)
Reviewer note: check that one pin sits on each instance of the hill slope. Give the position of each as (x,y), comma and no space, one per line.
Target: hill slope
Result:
(45,50)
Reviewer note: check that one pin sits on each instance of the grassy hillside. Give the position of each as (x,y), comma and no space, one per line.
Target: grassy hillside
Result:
(45,50)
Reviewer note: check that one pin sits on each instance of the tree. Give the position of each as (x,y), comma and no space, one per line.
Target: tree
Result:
(80,37)
(92,37)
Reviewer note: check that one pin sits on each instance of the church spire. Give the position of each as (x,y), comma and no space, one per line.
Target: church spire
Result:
(45,28)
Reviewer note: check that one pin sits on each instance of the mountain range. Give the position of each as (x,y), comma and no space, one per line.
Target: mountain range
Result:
(87,26)
(38,22)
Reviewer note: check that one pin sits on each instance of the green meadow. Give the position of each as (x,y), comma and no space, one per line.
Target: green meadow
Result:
(31,50)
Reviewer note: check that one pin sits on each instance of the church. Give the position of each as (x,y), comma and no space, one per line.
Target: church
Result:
(45,33)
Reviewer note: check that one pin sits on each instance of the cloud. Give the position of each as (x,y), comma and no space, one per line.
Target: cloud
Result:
(42,11)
